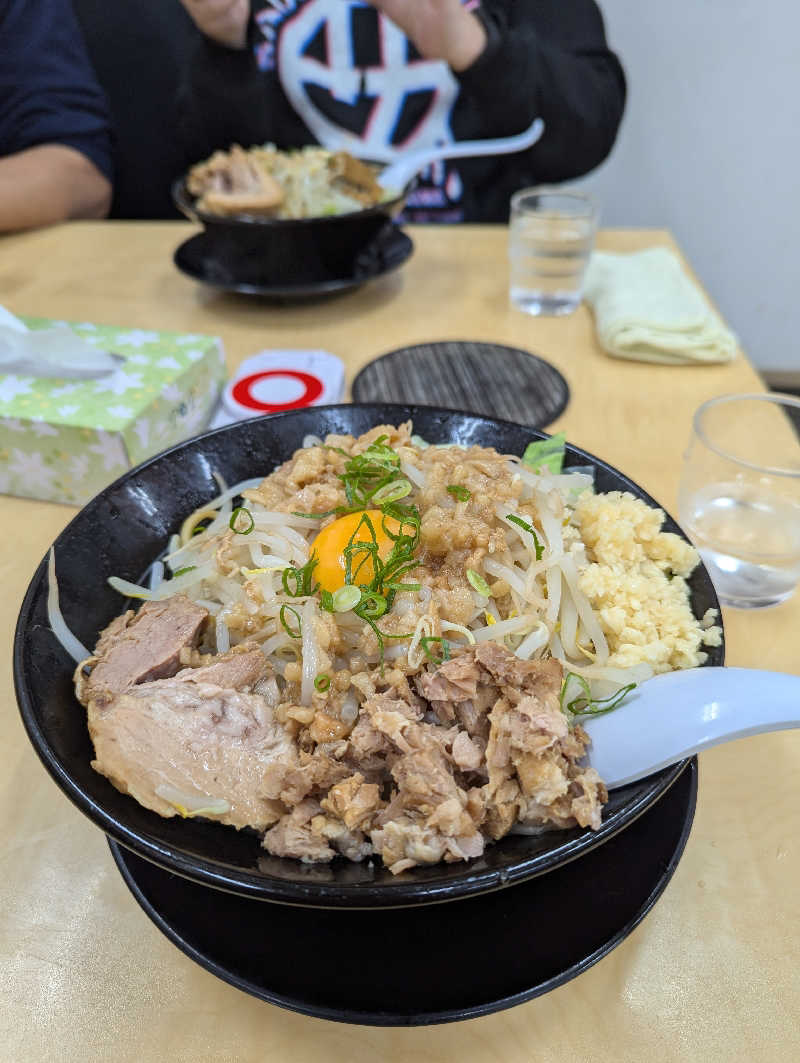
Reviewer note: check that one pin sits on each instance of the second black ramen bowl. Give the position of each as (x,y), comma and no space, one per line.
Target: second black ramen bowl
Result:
(123,529)
(292,251)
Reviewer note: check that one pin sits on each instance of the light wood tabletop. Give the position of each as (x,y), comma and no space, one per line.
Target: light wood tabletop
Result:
(710,974)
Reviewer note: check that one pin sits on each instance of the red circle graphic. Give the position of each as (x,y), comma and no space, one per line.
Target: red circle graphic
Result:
(242,391)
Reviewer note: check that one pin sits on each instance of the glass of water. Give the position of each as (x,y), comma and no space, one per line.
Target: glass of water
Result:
(739,496)
(551,235)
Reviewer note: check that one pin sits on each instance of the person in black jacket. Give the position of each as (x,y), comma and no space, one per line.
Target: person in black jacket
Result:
(385,76)
(55,139)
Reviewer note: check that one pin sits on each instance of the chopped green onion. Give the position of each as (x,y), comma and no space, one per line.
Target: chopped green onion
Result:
(301,579)
(282,617)
(583,704)
(479,583)
(365,550)
(378,635)
(315,516)
(539,548)
(425,643)
(322,682)
(345,599)
(240,510)
(392,492)
(372,606)
(183,571)
(374,478)
(458,492)
(546,454)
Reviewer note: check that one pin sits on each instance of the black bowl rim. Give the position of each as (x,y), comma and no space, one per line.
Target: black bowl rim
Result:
(185,203)
(263,886)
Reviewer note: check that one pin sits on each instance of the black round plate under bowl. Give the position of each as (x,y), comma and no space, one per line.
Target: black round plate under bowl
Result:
(123,529)
(203,258)
(294,251)
(437,964)
(487,378)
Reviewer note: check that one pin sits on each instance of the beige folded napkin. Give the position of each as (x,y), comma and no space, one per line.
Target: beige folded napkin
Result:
(647,309)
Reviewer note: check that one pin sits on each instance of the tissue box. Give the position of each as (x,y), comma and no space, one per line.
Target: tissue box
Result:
(64,439)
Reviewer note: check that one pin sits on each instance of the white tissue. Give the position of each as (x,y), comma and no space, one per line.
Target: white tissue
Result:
(50,352)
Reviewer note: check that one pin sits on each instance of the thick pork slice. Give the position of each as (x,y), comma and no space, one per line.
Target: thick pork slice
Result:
(179,745)
(241,667)
(138,647)
(235,182)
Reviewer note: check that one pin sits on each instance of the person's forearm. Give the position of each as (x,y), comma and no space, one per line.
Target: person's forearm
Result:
(48,184)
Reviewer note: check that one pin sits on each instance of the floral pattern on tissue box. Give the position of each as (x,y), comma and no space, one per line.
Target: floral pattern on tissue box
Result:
(64,440)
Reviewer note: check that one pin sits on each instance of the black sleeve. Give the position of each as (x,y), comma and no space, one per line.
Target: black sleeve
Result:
(548,58)
(48,90)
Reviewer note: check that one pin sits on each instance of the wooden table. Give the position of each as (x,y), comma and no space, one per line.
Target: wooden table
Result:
(711,973)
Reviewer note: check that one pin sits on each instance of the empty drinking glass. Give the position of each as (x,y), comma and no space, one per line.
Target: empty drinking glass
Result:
(551,236)
(739,497)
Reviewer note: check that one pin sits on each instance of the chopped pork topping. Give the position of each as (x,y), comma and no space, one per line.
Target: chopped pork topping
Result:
(416,777)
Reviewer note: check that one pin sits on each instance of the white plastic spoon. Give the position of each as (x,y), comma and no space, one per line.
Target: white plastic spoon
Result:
(397,174)
(678,714)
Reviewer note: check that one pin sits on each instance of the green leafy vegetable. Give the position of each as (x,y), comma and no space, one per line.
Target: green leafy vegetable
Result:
(546,454)
(461,494)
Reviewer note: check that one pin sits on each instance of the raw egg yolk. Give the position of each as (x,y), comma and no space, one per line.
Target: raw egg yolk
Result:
(330,544)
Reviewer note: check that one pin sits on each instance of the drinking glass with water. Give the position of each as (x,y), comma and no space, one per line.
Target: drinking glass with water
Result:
(551,236)
(739,496)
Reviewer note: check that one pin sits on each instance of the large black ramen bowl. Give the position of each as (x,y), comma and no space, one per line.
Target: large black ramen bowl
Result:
(122,530)
(292,251)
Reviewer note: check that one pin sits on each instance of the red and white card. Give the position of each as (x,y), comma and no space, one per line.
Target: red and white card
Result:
(278,380)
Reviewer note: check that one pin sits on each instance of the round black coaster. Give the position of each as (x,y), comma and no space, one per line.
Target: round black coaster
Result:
(486,378)
(438,963)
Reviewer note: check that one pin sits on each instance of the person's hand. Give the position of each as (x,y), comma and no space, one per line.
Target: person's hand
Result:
(440,29)
(224,21)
